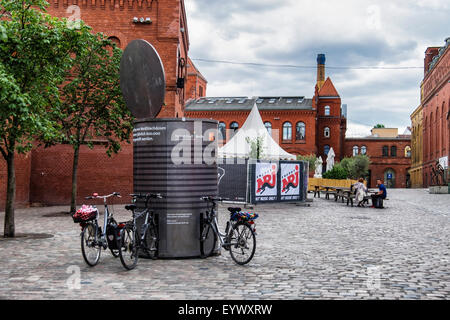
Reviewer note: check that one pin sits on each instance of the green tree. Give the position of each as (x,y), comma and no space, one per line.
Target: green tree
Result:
(311,159)
(378,126)
(90,106)
(357,166)
(33,56)
(338,172)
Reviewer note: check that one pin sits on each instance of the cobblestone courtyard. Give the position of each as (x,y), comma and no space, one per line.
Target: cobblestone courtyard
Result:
(327,250)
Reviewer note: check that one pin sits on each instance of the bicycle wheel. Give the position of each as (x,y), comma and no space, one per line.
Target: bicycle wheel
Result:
(242,243)
(208,240)
(128,248)
(89,248)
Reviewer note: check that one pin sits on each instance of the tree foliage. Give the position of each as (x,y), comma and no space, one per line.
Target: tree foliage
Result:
(90,108)
(34,52)
(338,172)
(311,159)
(350,168)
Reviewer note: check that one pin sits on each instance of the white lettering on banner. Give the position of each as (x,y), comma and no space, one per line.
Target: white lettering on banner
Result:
(178,218)
(147,133)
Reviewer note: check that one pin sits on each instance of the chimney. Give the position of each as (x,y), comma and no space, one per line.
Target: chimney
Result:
(430,53)
(320,70)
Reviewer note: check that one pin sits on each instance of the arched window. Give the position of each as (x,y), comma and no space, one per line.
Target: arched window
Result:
(385,151)
(355,150)
(326,132)
(222,131)
(234,126)
(364,150)
(268,126)
(326,149)
(287,131)
(327,110)
(393,151)
(408,152)
(300,133)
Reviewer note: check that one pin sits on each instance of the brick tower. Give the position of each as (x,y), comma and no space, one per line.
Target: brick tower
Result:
(331,123)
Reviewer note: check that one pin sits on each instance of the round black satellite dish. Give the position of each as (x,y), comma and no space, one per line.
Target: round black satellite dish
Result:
(142,79)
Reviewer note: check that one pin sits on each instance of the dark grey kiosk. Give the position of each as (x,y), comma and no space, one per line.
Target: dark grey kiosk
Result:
(174,157)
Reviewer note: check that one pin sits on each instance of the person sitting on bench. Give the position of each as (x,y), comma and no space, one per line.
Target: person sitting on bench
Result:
(361,192)
(377,199)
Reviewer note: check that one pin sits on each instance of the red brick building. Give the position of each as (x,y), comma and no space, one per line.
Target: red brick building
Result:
(312,126)
(390,157)
(300,125)
(195,82)
(44,175)
(435,100)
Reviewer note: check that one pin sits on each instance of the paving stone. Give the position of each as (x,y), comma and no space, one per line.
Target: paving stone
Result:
(314,252)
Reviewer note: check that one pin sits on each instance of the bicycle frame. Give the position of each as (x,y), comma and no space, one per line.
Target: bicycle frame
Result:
(145,225)
(106,216)
(215,225)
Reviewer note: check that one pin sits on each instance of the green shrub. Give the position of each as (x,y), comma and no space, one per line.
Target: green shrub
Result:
(311,159)
(338,172)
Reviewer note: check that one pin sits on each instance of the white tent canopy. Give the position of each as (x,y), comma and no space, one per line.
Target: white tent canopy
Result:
(238,147)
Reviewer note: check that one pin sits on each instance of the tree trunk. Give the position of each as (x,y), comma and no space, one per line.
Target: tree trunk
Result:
(73,202)
(9,231)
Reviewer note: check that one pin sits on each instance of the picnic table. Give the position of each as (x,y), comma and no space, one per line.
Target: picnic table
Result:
(329,190)
(343,193)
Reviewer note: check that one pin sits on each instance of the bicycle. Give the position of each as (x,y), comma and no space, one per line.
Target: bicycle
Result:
(132,240)
(239,237)
(93,239)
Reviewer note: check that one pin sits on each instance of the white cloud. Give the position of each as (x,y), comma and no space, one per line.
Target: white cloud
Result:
(351,33)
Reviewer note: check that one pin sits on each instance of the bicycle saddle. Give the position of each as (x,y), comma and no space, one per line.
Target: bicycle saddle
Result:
(130,207)
(233,210)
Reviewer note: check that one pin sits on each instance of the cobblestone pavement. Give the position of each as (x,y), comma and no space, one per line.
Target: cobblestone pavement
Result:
(328,251)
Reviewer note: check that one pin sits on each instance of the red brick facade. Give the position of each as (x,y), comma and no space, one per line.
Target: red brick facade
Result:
(23,168)
(44,176)
(195,82)
(167,32)
(312,115)
(435,102)
(381,165)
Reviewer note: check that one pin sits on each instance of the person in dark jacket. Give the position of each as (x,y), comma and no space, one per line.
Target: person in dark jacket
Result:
(377,199)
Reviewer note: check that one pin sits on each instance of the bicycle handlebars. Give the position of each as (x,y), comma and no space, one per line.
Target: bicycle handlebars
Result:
(96,196)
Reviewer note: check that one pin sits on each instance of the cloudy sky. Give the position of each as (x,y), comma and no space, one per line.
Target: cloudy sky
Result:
(351,33)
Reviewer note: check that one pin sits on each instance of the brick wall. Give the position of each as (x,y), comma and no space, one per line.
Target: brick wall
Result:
(51,174)
(399,164)
(115,19)
(23,168)
(44,176)
(436,107)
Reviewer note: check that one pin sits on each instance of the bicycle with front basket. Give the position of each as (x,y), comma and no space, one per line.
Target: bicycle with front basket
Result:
(239,237)
(133,239)
(93,237)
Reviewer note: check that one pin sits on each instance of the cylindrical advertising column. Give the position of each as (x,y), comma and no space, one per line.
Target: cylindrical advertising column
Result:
(176,158)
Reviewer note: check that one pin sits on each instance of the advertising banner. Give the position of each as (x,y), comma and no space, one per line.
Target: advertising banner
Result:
(281,181)
(266,181)
(290,181)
